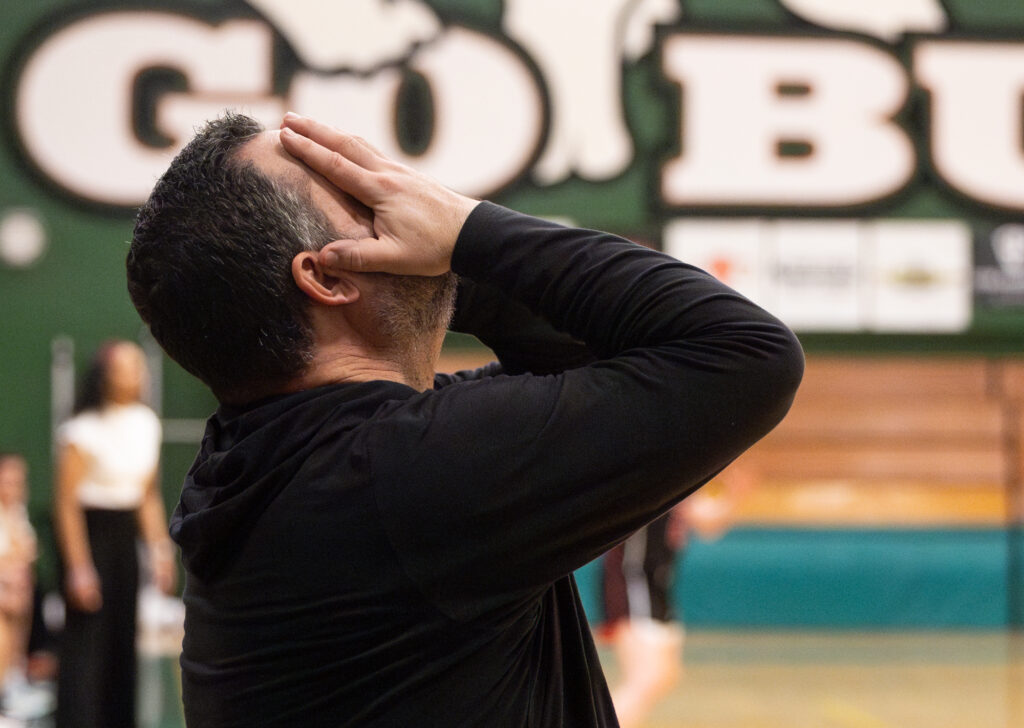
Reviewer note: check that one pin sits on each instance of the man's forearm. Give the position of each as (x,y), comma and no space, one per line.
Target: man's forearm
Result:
(599,288)
(621,298)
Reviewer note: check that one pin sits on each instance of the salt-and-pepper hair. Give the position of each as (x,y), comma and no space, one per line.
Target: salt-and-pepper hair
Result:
(209,267)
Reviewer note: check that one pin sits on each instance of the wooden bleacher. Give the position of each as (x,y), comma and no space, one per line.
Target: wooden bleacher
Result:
(893,442)
(888,442)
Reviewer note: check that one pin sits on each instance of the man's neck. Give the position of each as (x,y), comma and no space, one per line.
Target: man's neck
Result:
(344,363)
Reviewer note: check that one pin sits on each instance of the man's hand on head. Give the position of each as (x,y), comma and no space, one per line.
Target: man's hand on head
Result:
(416,219)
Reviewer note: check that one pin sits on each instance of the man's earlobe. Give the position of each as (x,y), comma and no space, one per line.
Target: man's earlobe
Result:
(322,287)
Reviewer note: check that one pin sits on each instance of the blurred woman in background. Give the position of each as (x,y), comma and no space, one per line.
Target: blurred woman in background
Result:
(106,496)
(17,560)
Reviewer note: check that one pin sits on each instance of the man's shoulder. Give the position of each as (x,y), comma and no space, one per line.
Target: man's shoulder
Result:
(473,407)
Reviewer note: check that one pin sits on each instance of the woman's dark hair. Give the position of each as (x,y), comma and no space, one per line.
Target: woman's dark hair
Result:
(92,390)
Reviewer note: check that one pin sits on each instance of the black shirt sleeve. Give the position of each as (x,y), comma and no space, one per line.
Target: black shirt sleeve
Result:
(493,488)
(522,341)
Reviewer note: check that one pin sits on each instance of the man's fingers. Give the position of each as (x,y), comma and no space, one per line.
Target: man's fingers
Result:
(341,171)
(416,219)
(368,255)
(354,148)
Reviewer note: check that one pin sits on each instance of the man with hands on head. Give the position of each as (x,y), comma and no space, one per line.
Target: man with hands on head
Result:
(368,543)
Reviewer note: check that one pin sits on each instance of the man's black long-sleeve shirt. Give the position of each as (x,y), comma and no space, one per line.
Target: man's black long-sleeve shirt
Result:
(367,554)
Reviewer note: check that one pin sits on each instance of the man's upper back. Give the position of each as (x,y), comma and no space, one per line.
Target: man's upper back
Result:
(301,607)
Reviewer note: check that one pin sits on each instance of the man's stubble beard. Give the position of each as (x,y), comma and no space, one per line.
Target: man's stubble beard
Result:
(413,310)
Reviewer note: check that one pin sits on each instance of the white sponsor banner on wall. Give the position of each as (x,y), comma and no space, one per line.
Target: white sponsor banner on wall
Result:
(839,275)
(815,277)
(920,275)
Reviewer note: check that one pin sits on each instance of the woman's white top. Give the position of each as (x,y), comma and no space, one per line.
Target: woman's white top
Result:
(121,448)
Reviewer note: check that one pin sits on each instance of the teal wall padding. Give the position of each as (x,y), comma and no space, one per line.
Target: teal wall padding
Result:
(588,579)
(848,578)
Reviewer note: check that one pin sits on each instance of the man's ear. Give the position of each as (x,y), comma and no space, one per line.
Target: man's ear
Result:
(322,287)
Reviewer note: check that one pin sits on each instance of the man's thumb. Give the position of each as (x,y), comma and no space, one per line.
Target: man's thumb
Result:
(351,255)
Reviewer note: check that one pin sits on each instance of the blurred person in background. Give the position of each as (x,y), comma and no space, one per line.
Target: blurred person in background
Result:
(106,495)
(640,619)
(17,560)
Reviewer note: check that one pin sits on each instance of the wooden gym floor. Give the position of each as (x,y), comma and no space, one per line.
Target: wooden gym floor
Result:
(846,680)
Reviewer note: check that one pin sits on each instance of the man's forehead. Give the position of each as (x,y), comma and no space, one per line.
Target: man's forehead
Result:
(266,151)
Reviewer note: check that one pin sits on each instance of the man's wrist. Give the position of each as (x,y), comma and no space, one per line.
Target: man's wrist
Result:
(478,239)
